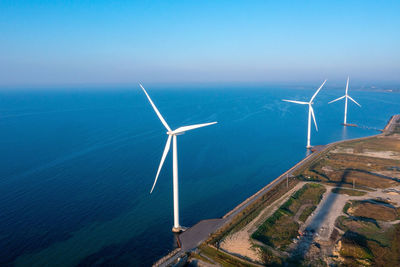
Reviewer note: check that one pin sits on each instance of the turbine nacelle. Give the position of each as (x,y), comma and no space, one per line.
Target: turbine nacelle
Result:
(173,133)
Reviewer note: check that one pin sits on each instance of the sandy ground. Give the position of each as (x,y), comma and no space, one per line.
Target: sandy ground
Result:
(381,154)
(240,242)
(370,153)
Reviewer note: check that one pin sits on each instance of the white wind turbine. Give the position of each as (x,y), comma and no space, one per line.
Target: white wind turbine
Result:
(346,96)
(172,135)
(310,112)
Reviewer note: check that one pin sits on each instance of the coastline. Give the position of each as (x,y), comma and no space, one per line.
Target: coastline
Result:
(202,231)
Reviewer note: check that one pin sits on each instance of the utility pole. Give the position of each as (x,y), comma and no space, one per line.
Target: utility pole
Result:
(287,180)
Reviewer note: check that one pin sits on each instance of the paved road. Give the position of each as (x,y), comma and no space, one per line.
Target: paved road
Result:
(392,123)
(196,234)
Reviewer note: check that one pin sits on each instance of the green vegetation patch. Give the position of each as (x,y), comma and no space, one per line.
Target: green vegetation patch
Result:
(367,228)
(390,255)
(279,229)
(357,249)
(346,207)
(223,258)
(251,212)
(306,212)
(349,192)
(194,255)
(373,210)
(269,258)
(354,248)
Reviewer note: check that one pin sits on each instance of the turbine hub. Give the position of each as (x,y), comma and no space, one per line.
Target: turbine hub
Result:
(174,134)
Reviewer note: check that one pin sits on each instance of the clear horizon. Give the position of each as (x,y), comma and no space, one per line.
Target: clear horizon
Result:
(75,43)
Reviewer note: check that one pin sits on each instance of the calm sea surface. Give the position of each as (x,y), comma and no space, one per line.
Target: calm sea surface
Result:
(77,166)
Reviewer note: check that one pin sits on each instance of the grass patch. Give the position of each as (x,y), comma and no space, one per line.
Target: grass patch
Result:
(354,248)
(370,229)
(251,212)
(358,249)
(269,258)
(346,207)
(277,231)
(280,228)
(373,210)
(223,258)
(194,255)
(349,192)
(306,212)
(390,255)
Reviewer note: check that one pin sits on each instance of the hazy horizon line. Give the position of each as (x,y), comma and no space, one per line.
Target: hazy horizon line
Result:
(378,85)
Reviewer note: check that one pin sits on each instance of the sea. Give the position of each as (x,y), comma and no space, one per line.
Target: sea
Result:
(77,165)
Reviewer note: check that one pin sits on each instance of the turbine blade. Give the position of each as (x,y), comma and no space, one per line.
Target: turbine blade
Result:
(347,85)
(156,110)
(312,98)
(164,155)
(353,101)
(337,99)
(191,127)
(297,102)
(313,116)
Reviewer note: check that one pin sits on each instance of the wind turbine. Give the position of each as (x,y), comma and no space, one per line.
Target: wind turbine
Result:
(346,96)
(172,135)
(310,112)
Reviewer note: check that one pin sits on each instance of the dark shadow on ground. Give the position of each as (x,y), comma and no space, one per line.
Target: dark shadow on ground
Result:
(304,243)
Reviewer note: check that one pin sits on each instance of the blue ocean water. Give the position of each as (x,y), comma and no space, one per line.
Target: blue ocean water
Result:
(77,165)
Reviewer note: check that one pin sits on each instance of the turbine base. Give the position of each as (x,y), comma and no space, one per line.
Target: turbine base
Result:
(350,124)
(178,229)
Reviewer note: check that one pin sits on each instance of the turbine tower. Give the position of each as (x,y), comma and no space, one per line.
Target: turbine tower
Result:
(172,135)
(310,112)
(346,96)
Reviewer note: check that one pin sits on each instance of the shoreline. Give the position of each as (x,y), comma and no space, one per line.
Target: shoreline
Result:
(316,150)
(202,230)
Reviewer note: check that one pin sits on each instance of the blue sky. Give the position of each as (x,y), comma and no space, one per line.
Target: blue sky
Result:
(122,42)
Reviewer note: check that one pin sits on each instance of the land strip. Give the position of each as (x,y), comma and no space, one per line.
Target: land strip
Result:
(211,230)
